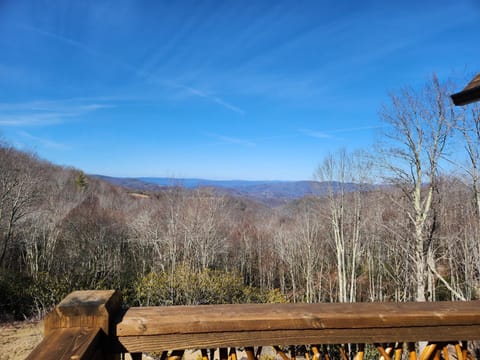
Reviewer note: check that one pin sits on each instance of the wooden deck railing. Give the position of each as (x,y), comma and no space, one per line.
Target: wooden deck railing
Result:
(93,325)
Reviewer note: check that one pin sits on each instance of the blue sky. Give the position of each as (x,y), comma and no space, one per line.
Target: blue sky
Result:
(216,89)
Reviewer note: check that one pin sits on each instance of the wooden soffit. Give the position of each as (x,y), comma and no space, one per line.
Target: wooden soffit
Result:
(470,94)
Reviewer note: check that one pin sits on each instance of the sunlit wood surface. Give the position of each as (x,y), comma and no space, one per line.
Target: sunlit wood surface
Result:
(208,326)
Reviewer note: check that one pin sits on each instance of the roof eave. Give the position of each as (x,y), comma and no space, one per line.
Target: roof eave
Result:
(466,96)
(469,94)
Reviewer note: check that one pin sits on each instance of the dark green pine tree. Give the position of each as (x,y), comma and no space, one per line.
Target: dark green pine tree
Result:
(81,181)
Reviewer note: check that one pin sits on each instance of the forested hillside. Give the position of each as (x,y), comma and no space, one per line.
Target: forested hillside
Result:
(415,239)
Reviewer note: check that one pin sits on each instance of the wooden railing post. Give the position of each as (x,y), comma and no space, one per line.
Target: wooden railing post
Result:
(79,326)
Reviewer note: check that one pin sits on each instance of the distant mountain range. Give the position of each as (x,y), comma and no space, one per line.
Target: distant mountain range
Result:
(271,192)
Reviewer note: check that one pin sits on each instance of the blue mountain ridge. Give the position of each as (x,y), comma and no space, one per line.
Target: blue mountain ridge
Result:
(191,183)
(269,191)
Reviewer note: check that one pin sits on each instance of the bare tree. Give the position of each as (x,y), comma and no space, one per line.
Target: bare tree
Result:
(346,176)
(418,127)
(287,251)
(204,241)
(20,179)
(307,242)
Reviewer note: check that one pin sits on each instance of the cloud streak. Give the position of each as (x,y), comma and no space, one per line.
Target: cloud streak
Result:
(43,142)
(33,119)
(44,113)
(146,75)
(231,140)
(328,133)
(355,129)
(315,134)
(213,98)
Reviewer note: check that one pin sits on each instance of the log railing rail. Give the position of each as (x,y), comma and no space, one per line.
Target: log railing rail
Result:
(93,325)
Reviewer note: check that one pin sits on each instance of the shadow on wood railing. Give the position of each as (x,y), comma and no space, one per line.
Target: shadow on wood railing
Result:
(93,325)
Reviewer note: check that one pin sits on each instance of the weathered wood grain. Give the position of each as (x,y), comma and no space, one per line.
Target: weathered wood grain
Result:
(256,317)
(299,337)
(74,327)
(87,309)
(67,344)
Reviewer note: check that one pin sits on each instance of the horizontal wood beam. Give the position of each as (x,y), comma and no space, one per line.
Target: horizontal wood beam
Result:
(267,317)
(298,337)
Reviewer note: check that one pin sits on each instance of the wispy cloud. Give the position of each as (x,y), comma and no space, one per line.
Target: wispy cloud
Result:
(227,105)
(45,113)
(213,98)
(60,38)
(67,105)
(355,129)
(315,134)
(32,119)
(42,141)
(329,134)
(231,140)
(142,73)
